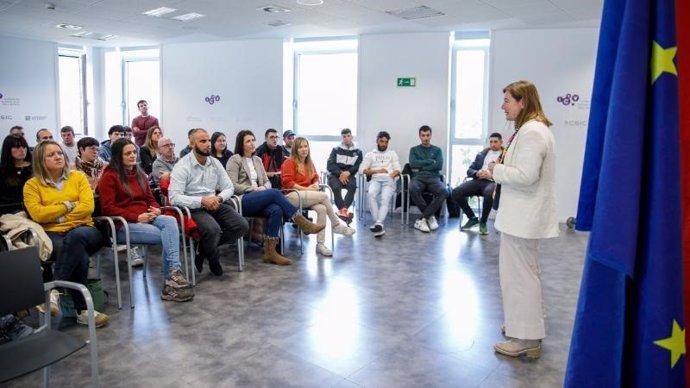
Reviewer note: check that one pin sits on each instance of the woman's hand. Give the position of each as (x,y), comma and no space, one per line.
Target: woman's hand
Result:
(155,211)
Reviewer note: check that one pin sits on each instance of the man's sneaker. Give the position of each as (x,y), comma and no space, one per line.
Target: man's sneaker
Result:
(433,224)
(342,213)
(378,230)
(322,250)
(470,223)
(421,224)
(54,303)
(83,318)
(177,279)
(177,294)
(373,228)
(517,347)
(135,258)
(344,230)
(483,230)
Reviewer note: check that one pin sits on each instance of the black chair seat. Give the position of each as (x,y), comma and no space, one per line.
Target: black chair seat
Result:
(34,352)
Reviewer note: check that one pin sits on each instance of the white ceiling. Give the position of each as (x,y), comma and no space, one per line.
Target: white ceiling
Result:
(242,19)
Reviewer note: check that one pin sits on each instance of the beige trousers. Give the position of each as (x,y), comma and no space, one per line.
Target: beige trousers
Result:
(523,302)
(320,202)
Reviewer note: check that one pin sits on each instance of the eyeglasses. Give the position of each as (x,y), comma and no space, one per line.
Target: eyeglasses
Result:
(168,145)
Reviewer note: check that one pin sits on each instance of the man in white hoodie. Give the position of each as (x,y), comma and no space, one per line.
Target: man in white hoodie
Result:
(382,167)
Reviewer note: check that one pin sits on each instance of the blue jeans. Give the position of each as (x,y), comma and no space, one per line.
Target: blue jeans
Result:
(71,251)
(163,230)
(270,204)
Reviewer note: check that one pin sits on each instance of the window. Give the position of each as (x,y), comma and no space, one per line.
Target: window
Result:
(141,75)
(469,85)
(71,83)
(325,93)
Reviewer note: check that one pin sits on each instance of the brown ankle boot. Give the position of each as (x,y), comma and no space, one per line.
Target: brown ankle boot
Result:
(271,255)
(306,226)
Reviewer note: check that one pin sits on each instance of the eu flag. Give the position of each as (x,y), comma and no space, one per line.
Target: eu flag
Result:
(629,326)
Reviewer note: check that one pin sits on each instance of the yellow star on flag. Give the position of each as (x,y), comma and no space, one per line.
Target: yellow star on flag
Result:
(662,60)
(675,343)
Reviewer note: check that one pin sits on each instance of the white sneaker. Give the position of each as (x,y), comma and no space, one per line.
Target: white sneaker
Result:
(433,224)
(321,249)
(100,318)
(421,224)
(54,303)
(344,230)
(135,258)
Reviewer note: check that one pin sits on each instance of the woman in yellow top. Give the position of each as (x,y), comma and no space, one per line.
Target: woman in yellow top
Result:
(62,202)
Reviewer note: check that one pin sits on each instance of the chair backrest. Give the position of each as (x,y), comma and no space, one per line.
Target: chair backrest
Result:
(21,280)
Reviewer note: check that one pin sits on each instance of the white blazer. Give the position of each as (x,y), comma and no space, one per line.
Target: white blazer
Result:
(527,205)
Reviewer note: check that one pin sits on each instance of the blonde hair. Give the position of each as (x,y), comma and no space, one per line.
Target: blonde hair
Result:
(306,166)
(150,146)
(39,164)
(526,92)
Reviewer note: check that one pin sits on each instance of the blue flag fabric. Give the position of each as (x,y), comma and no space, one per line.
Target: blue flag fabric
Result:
(629,326)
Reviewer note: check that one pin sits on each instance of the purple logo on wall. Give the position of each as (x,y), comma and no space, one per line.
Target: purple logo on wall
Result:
(212,99)
(568,99)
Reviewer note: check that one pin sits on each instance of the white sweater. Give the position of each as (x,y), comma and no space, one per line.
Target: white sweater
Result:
(376,159)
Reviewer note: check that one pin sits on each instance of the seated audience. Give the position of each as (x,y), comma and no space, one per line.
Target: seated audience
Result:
(69,144)
(480,184)
(426,161)
(15,170)
(148,152)
(164,163)
(88,160)
(299,173)
(382,167)
(188,148)
(125,192)
(115,132)
(272,156)
(200,183)
(62,202)
(219,148)
(260,200)
(343,164)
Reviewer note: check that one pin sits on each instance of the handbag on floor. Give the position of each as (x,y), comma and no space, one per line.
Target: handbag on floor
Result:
(98,295)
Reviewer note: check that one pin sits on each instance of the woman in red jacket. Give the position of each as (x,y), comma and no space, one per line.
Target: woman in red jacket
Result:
(298,173)
(125,192)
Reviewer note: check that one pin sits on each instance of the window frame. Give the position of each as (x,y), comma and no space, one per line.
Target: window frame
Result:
(78,53)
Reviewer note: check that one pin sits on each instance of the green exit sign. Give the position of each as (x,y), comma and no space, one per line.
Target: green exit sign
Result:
(407,82)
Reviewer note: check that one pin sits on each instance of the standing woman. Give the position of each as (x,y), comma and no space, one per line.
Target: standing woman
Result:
(15,170)
(62,202)
(526,214)
(258,198)
(125,192)
(219,148)
(298,172)
(148,151)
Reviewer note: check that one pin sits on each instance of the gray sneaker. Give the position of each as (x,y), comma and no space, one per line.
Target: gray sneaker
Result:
(177,279)
(135,258)
(177,294)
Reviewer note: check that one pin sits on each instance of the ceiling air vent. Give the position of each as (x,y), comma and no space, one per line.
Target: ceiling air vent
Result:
(279,23)
(420,12)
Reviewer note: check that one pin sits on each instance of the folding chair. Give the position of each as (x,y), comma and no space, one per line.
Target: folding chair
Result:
(22,279)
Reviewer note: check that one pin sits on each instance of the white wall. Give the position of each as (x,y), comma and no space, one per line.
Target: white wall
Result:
(558,61)
(247,75)
(28,84)
(382,105)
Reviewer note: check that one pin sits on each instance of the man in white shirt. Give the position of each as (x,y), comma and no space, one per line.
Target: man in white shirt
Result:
(200,182)
(480,184)
(69,145)
(382,167)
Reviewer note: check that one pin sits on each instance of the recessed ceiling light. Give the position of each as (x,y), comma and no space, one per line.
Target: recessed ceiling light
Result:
(158,12)
(272,9)
(71,27)
(189,17)
(309,2)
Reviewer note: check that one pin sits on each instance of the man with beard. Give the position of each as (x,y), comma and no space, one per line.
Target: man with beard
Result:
(382,167)
(272,156)
(200,182)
